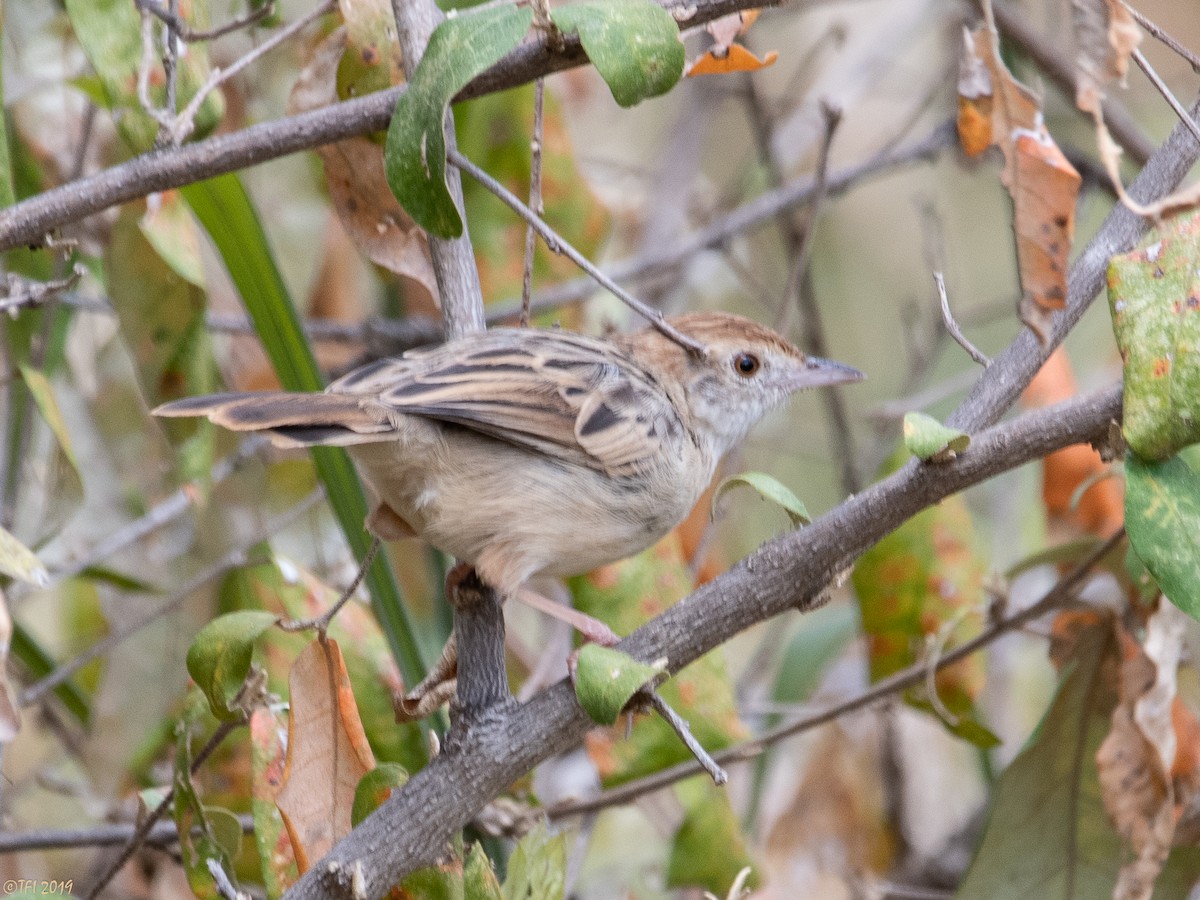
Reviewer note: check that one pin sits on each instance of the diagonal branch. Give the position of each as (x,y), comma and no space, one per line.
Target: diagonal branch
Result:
(27,222)
(412,828)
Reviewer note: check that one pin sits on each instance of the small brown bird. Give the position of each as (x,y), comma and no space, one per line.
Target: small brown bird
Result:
(528,452)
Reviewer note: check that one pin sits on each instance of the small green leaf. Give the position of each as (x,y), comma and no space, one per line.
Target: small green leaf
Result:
(479,878)
(928,439)
(375,787)
(537,867)
(768,488)
(709,850)
(606,679)
(634,45)
(460,48)
(47,404)
(19,561)
(1162,515)
(1154,297)
(219,658)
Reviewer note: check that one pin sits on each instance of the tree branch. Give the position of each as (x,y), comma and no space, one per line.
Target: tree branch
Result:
(27,222)
(412,828)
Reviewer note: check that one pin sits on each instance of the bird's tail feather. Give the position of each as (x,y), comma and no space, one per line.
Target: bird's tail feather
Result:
(290,419)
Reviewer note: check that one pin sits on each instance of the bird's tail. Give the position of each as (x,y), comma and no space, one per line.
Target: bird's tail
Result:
(289,419)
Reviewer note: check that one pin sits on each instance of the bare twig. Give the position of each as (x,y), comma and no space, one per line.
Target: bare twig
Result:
(1015,25)
(558,244)
(1184,116)
(105,834)
(190,35)
(535,193)
(683,731)
(234,558)
(22,292)
(952,326)
(321,622)
(160,514)
(222,882)
(29,221)
(1159,34)
(144,827)
(185,123)
(1063,591)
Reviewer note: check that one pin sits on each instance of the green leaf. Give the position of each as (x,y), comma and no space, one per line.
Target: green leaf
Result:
(821,637)
(1048,836)
(634,45)
(219,658)
(224,209)
(768,488)
(374,788)
(205,833)
(708,851)
(1162,515)
(606,679)
(479,878)
(1154,297)
(18,561)
(8,195)
(47,404)
(460,48)
(928,439)
(40,663)
(537,867)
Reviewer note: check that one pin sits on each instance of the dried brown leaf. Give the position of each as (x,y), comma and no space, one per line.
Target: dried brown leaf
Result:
(327,753)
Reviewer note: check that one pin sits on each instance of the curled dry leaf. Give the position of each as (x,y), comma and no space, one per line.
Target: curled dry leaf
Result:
(327,753)
(1105,36)
(726,56)
(372,217)
(997,110)
(1141,785)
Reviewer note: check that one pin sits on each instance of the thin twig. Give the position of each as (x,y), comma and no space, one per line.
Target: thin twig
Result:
(222,882)
(23,292)
(234,558)
(106,834)
(190,35)
(802,238)
(160,514)
(952,326)
(1061,592)
(143,829)
(321,622)
(684,731)
(535,193)
(1157,32)
(558,244)
(1172,101)
(184,123)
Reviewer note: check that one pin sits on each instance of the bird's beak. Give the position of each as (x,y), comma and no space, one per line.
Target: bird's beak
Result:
(818,372)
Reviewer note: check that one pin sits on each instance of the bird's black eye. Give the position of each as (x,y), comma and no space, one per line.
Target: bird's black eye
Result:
(746,364)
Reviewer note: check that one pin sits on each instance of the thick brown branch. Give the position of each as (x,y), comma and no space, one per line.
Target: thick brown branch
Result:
(27,222)
(413,827)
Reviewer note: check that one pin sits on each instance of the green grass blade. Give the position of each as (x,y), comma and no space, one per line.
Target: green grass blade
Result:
(224,209)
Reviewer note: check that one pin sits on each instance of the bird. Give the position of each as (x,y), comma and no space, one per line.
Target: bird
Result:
(525,451)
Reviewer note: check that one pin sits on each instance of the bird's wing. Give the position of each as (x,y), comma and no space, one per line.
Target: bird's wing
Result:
(570,397)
